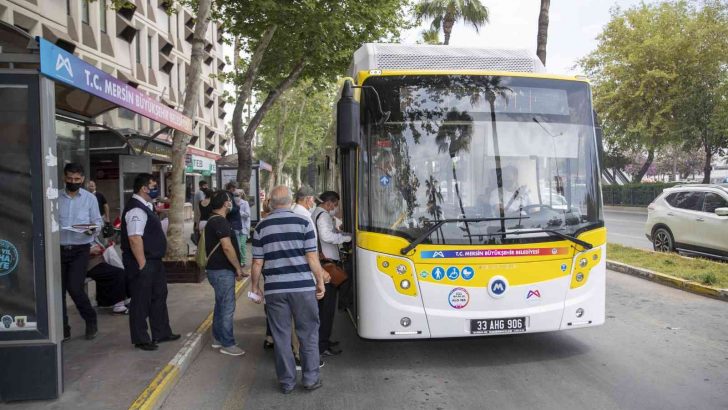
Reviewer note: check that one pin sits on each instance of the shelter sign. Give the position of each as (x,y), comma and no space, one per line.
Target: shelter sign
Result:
(64,67)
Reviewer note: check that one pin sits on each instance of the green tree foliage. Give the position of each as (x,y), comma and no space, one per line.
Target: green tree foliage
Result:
(704,83)
(444,14)
(315,41)
(657,73)
(296,129)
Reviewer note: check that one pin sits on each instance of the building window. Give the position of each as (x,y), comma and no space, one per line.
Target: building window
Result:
(138,48)
(102,15)
(84,11)
(149,51)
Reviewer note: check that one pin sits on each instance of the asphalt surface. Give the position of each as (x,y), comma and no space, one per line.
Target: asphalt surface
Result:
(660,348)
(627,227)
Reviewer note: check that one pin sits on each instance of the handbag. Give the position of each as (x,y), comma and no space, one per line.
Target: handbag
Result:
(334,269)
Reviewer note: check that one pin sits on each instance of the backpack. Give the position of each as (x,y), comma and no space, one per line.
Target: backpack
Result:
(202,256)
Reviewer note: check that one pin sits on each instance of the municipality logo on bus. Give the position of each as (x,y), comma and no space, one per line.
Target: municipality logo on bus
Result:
(497,286)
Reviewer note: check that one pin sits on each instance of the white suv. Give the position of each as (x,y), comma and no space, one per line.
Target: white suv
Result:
(690,218)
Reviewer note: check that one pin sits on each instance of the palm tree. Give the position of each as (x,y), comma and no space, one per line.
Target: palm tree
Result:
(543,30)
(453,137)
(493,88)
(431,36)
(444,13)
(434,199)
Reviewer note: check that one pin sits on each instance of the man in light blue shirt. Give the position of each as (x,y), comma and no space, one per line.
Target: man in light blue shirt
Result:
(80,222)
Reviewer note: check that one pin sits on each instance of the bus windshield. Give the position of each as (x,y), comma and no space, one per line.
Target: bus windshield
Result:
(504,154)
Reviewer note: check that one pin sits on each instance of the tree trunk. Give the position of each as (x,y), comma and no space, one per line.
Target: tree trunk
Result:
(298,175)
(245,152)
(498,169)
(447,24)
(543,30)
(637,178)
(707,167)
(177,246)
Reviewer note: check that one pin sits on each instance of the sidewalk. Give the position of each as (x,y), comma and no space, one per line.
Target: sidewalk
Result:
(108,372)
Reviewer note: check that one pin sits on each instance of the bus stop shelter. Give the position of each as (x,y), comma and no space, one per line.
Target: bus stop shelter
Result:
(40,80)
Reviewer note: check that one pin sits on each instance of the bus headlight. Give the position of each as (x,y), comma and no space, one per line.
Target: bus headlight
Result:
(583,262)
(401,269)
(579,277)
(405,284)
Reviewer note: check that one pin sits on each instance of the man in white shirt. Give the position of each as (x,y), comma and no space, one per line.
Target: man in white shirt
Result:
(143,245)
(305,203)
(515,197)
(329,239)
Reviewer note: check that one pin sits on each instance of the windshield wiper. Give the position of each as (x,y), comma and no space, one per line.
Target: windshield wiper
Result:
(418,240)
(583,244)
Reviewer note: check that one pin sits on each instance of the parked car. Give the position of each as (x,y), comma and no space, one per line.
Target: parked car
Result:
(690,218)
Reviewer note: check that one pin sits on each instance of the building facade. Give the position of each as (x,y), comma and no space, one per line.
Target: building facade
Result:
(141,44)
(146,44)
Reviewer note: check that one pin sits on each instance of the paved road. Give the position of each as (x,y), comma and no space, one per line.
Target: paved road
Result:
(660,348)
(627,228)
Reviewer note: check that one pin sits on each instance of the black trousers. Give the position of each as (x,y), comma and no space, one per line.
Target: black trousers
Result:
(110,284)
(327,310)
(74,261)
(148,288)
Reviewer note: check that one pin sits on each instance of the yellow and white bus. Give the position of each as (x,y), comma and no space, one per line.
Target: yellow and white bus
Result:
(471,181)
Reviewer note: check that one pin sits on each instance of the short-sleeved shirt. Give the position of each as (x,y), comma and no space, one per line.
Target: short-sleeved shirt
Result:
(102,201)
(136,219)
(217,228)
(282,240)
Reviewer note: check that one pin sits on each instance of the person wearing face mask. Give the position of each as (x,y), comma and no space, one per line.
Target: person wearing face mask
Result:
(305,203)
(223,269)
(329,239)
(80,222)
(143,245)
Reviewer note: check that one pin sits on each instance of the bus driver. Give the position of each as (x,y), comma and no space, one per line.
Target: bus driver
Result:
(515,197)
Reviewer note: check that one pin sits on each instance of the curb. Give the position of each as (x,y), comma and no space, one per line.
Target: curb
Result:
(663,279)
(152,397)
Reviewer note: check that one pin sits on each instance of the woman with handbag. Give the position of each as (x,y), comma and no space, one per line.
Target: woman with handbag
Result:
(329,239)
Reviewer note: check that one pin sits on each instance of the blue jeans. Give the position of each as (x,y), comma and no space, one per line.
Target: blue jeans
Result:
(223,282)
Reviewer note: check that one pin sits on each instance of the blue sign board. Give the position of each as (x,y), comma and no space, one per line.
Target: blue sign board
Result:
(62,66)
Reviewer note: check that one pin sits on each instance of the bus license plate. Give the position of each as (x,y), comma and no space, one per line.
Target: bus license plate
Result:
(490,326)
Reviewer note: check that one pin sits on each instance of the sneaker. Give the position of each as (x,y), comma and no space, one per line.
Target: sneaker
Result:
(232,351)
(216,344)
(299,368)
(314,386)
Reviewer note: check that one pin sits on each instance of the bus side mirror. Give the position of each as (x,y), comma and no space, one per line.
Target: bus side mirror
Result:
(347,118)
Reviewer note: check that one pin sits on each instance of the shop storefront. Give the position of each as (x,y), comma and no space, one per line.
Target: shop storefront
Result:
(49,100)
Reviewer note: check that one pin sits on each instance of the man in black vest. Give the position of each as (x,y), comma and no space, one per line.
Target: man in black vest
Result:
(144,244)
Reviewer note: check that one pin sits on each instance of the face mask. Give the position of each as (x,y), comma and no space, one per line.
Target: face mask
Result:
(334,211)
(72,186)
(229,207)
(154,193)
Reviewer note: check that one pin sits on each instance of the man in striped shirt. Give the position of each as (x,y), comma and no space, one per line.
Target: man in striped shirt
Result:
(285,253)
